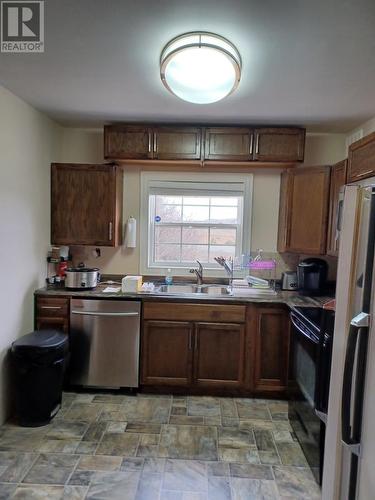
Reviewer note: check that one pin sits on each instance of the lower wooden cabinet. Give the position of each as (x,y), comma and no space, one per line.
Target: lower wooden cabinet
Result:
(167,353)
(196,346)
(199,354)
(219,355)
(271,338)
(52,313)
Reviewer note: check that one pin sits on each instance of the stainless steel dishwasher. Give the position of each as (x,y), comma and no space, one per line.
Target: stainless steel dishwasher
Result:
(104,343)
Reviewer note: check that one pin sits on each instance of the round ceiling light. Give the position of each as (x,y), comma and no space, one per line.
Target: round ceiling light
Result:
(200,67)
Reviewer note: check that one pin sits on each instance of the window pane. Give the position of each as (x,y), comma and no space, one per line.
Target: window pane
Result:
(165,252)
(221,251)
(191,253)
(169,213)
(196,214)
(227,215)
(196,200)
(195,235)
(229,202)
(167,234)
(223,236)
(167,200)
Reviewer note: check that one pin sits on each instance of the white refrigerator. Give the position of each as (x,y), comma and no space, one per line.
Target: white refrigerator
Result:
(349,462)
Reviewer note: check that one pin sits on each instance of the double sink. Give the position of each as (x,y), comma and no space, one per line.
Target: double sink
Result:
(189,289)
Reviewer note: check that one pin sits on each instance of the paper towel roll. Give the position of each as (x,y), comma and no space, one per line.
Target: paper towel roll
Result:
(131,233)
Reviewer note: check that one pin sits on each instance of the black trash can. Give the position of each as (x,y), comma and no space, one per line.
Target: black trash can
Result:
(39,362)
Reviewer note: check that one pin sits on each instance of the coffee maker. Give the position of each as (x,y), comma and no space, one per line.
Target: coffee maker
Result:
(312,276)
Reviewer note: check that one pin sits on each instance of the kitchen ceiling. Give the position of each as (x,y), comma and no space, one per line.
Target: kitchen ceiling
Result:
(304,62)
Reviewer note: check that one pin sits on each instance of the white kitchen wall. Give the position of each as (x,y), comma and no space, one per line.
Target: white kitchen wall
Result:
(29,141)
(86,145)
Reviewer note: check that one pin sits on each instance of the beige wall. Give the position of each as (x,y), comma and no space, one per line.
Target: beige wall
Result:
(29,141)
(86,145)
(367,127)
(324,149)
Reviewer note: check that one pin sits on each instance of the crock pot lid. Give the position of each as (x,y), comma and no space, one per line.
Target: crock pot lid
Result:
(82,269)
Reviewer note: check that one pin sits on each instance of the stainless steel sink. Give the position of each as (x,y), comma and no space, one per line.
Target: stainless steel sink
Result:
(216,290)
(188,289)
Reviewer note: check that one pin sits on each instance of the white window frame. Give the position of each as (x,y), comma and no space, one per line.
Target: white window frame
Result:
(151,179)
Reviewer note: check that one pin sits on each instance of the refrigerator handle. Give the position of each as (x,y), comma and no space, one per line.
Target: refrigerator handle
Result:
(357,324)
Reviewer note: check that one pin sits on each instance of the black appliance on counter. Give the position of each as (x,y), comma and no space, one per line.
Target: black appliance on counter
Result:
(311,352)
(312,276)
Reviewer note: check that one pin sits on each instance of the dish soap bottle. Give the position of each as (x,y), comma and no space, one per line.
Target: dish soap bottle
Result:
(168,277)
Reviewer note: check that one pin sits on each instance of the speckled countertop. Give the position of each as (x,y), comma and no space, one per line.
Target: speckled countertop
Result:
(282,297)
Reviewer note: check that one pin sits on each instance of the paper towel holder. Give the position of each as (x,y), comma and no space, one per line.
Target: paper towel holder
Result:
(131,232)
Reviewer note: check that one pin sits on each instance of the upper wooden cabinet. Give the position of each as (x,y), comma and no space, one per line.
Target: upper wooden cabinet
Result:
(304,210)
(361,161)
(128,142)
(177,143)
(228,143)
(86,204)
(338,180)
(279,144)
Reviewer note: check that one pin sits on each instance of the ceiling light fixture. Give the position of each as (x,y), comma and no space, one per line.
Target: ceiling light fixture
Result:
(200,67)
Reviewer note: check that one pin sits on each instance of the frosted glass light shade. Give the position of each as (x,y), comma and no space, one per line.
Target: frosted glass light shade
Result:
(200,67)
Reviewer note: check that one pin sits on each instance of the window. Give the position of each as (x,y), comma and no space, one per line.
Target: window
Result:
(199,217)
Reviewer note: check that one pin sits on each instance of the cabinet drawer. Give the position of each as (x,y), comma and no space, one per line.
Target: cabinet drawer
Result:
(52,307)
(194,312)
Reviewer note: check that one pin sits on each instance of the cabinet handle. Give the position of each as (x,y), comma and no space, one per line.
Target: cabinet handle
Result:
(149,142)
(251,145)
(365,173)
(110,226)
(155,143)
(196,341)
(190,342)
(257,144)
(56,308)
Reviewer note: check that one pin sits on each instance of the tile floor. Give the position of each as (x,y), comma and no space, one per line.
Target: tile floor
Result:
(142,447)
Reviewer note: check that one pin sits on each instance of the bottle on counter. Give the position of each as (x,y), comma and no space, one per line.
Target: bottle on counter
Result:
(168,277)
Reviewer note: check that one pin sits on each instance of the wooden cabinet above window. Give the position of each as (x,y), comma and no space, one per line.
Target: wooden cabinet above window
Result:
(279,144)
(229,143)
(205,145)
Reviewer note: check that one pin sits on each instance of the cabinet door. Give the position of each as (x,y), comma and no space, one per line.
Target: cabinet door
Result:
(226,143)
(338,179)
(219,355)
(61,324)
(182,143)
(286,187)
(127,142)
(279,144)
(86,204)
(166,357)
(307,219)
(361,161)
(271,345)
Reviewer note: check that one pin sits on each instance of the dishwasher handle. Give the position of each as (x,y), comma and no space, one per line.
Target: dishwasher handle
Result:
(113,314)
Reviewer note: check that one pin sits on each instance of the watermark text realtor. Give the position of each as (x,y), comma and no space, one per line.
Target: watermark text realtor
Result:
(22,26)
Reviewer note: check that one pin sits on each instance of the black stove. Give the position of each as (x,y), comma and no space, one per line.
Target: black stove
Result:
(311,349)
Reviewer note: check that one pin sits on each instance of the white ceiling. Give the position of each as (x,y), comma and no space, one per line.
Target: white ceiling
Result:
(305,62)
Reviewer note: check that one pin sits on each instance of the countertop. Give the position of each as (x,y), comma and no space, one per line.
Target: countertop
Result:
(281,297)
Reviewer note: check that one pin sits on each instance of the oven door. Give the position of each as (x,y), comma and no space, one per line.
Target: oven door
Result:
(306,425)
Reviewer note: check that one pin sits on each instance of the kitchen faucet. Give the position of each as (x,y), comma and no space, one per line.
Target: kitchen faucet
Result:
(199,273)
(228,265)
